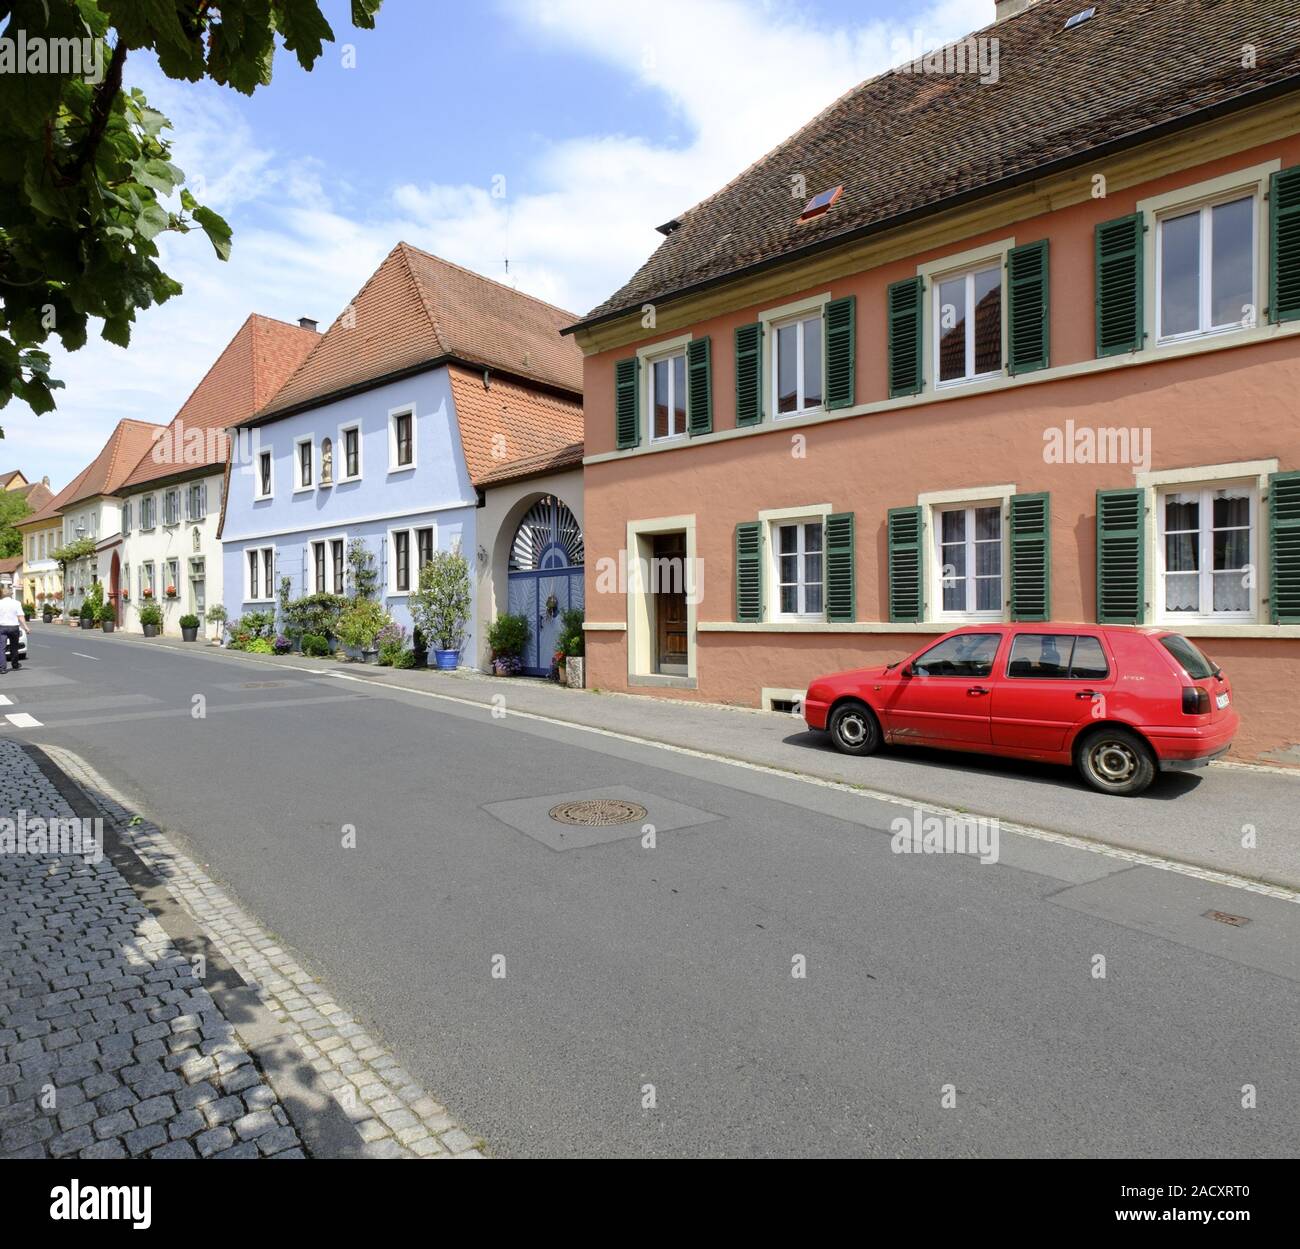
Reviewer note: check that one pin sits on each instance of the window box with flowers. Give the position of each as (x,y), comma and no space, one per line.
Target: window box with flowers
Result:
(171,591)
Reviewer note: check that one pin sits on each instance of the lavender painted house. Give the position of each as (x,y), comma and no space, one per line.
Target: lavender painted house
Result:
(433,390)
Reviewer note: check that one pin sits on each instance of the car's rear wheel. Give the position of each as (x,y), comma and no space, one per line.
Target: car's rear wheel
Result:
(854,729)
(1116,761)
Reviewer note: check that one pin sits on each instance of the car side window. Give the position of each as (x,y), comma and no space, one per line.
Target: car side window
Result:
(964,655)
(1056,656)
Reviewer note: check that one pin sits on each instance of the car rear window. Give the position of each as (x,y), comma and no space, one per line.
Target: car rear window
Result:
(1189,655)
(1059,656)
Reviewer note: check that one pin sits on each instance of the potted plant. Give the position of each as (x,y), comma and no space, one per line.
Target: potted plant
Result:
(216,615)
(107,617)
(151,619)
(360,623)
(573,644)
(189,627)
(391,644)
(507,637)
(47,611)
(440,608)
(171,591)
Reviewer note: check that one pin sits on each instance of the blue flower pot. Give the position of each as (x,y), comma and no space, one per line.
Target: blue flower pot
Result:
(446,659)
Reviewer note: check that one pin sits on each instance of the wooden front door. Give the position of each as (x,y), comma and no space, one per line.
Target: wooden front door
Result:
(669,573)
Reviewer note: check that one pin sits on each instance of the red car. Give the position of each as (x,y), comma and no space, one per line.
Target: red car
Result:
(1119,703)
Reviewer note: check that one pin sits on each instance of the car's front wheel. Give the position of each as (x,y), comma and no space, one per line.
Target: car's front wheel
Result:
(854,729)
(1116,761)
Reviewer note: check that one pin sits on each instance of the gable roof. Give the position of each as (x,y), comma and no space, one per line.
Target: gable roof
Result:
(37,494)
(120,454)
(49,512)
(416,310)
(7,478)
(908,144)
(244,377)
(505,425)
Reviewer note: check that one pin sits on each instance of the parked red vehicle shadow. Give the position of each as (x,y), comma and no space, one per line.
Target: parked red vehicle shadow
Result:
(1117,703)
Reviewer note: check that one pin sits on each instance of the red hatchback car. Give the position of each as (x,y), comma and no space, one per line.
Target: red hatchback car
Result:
(1119,703)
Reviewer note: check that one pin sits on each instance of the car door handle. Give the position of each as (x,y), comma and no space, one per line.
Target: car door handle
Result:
(1086,694)
(977,690)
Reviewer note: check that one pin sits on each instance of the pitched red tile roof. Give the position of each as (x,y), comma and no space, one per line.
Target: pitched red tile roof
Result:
(417,309)
(37,494)
(248,372)
(50,511)
(904,145)
(508,424)
(12,564)
(6,478)
(121,453)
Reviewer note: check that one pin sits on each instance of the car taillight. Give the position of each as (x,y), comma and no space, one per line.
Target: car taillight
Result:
(1196,701)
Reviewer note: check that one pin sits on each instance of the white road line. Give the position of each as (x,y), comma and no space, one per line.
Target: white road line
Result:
(79,655)
(1137,857)
(21,720)
(6,701)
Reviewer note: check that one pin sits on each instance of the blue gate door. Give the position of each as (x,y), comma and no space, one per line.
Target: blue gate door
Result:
(546,578)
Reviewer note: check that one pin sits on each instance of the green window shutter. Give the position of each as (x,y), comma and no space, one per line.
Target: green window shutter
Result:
(904,319)
(1031,557)
(906,600)
(841,599)
(840,337)
(1284,547)
(1119,286)
(1121,565)
(749,571)
(1284,246)
(699,387)
(627,403)
(749,374)
(1029,313)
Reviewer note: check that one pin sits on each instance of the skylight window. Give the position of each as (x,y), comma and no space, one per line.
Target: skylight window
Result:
(1079,18)
(820,203)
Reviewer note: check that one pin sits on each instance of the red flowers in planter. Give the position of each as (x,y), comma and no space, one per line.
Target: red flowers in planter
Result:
(147,593)
(171,591)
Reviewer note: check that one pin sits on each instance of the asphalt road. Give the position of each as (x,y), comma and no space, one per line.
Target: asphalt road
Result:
(628,967)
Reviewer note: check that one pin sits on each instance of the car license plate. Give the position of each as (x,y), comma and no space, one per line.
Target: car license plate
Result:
(1223,701)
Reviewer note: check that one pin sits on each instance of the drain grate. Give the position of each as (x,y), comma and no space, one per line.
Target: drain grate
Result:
(598,812)
(1222,917)
(263,685)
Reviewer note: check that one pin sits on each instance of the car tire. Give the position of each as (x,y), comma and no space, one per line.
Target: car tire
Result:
(854,729)
(1116,761)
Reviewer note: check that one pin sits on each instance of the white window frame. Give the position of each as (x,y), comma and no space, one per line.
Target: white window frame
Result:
(148,513)
(168,565)
(971,577)
(772,519)
(258,493)
(1253,180)
(1205,210)
(341,454)
(260,552)
(310,587)
(299,486)
(168,496)
(774,363)
(413,550)
(931,505)
(932,273)
(968,277)
(650,361)
(202,488)
(393,465)
(148,581)
(1205,554)
(332,566)
(126,525)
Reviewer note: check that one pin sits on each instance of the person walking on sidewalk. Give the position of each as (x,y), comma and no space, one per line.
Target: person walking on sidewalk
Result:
(13,623)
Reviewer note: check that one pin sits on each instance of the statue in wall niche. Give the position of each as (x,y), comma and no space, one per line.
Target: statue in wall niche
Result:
(326,462)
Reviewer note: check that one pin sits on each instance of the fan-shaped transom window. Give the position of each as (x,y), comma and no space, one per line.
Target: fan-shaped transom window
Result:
(548,537)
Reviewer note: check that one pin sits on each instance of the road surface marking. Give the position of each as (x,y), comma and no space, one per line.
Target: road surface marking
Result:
(1137,857)
(5,701)
(21,720)
(79,655)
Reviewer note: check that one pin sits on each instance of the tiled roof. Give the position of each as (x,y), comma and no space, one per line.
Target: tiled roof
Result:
(253,366)
(416,309)
(507,424)
(535,466)
(50,511)
(110,468)
(6,478)
(38,494)
(13,564)
(906,144)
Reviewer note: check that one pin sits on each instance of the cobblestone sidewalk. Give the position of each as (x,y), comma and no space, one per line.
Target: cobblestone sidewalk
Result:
(109,1045)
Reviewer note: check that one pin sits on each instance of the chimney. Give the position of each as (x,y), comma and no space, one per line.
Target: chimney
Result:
(307,324)
(1009,8)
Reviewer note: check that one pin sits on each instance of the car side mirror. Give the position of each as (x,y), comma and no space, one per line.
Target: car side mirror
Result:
(906,670)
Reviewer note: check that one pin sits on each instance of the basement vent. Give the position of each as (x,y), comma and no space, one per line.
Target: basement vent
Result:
(1079,18)
(788,705)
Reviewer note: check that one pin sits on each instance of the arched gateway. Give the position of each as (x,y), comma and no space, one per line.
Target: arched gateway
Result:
(546,577)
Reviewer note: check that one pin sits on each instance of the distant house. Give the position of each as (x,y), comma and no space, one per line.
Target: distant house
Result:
(171,500)
(440,411)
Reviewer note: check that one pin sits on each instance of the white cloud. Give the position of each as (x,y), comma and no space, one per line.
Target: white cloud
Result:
(749,75)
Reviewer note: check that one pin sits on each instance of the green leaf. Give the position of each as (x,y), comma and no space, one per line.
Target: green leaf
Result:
(152,220)
(218,232)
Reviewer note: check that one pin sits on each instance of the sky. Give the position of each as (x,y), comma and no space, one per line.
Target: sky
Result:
(538,142)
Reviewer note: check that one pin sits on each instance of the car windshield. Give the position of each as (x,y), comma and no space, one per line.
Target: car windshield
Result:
(1190,656)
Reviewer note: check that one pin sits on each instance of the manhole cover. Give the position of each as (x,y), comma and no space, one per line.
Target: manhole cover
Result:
(1223,917)
(598,812)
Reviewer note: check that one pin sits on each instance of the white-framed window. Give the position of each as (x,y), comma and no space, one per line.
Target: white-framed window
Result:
(304,456)
(401,440)
(1206,266)
(126,520)
(350,453)
(666,378)
(409,551)
(172,507)
(196,502)
(319,567)
(264,482)
(798,551)
(338,565)
(259,574)
(797,362)
(967,325)
(148,586)
(1207,552)
(969,549)
(402,561)
(171,579)
(148,511)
